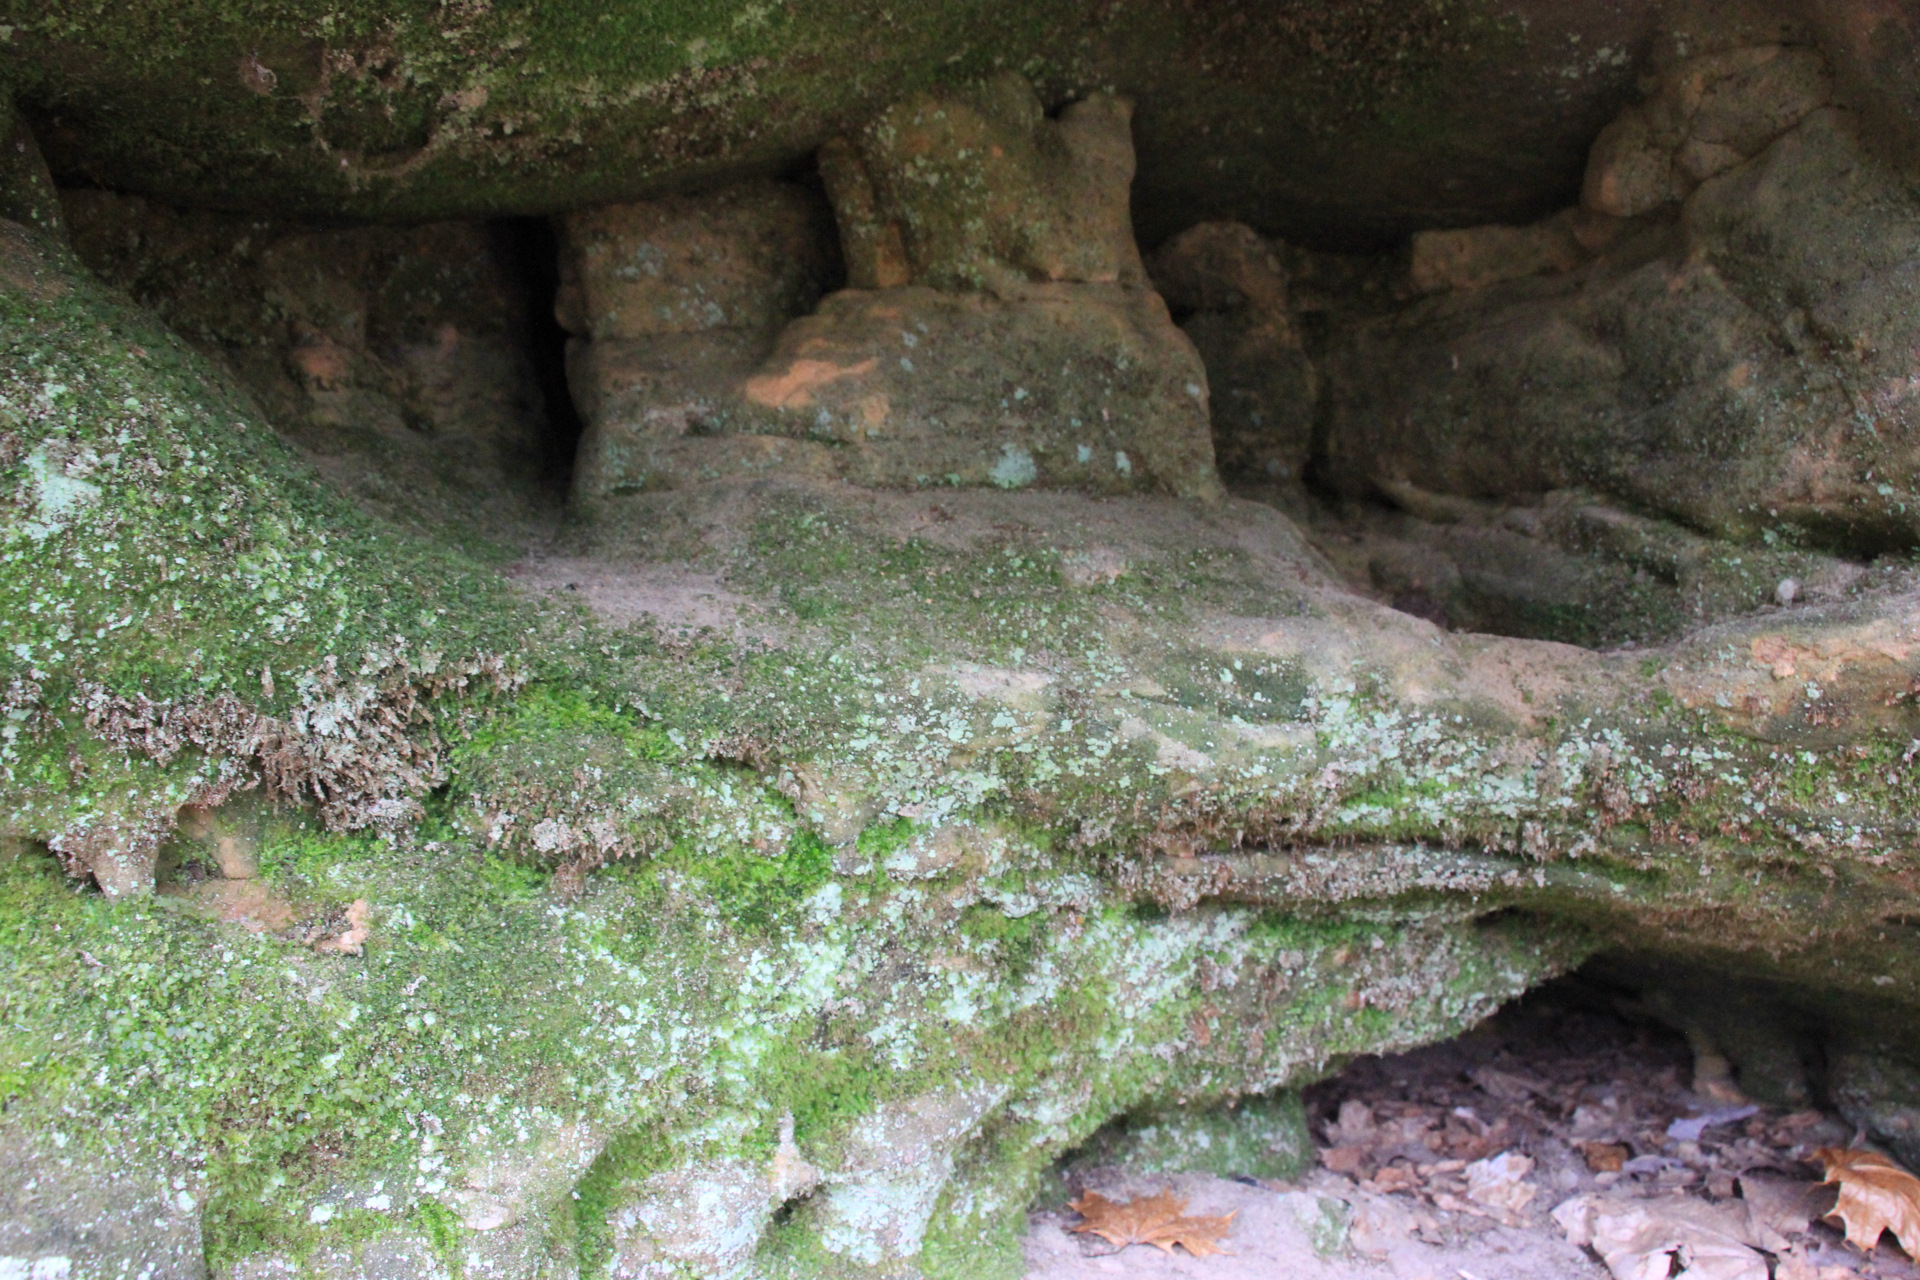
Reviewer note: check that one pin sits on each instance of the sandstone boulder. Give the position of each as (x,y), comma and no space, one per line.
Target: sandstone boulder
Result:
(674,304)
(1081,386)
(980,190)
(1731,369)
(1709,114)
(1000,331)
(1475,257)
(746,257)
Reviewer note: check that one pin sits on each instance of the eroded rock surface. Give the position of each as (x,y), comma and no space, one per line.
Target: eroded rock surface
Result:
(979,190)
(458,922)
(1373,120)
(401,344)
(1000,331)
(1099,806)
(1731,368)
(1230,288)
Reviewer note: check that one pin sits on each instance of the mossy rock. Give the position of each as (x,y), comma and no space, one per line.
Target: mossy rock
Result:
(1103,806)
(1263,1137)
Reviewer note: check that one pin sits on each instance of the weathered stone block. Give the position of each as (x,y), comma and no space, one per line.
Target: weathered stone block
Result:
(1745,98)
(1015,343)
(1080,385)
(1475,257)
(666,386)
(745,257)
(978,189)
(1708,114)
(1733,371)
(1630,169)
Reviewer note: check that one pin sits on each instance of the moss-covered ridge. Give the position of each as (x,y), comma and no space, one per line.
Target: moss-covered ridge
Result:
(323,1101)
(189,610)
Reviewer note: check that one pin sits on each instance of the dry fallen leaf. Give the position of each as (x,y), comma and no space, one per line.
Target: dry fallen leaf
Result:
(1781,1207)
(1876,1195)
(1395,1177)
(1605,1157)
(1155,1220)
(1499,1182)
(1643,1239)
(1381,1224)
(1344,1159)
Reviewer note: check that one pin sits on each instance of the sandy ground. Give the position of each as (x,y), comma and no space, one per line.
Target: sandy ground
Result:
(1300,1234)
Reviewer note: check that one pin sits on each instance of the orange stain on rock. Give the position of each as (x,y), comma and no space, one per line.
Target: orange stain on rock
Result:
(322,364)
(794,389)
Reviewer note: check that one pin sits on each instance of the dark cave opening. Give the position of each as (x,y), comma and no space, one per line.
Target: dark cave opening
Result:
(531,249)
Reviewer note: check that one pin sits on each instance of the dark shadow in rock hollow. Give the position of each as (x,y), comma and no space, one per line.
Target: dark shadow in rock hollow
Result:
(531,250)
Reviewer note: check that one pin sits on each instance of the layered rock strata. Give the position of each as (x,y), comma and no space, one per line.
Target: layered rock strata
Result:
(801,947)
(777,877)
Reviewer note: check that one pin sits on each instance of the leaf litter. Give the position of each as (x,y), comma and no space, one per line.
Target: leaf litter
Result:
(1156,1220)
(1564,1139)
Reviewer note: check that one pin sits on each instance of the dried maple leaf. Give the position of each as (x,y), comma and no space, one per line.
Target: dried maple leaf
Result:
(1876,1195)
(1344,1159)
(1155,1220)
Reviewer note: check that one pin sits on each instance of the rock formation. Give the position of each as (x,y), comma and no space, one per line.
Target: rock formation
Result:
(1718,362)
(906,758)
(1231,288)
(999,330)
(401,344)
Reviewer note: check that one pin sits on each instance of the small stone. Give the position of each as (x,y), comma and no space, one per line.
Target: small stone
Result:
(1630,170)
(1787,592)
(1475,257)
